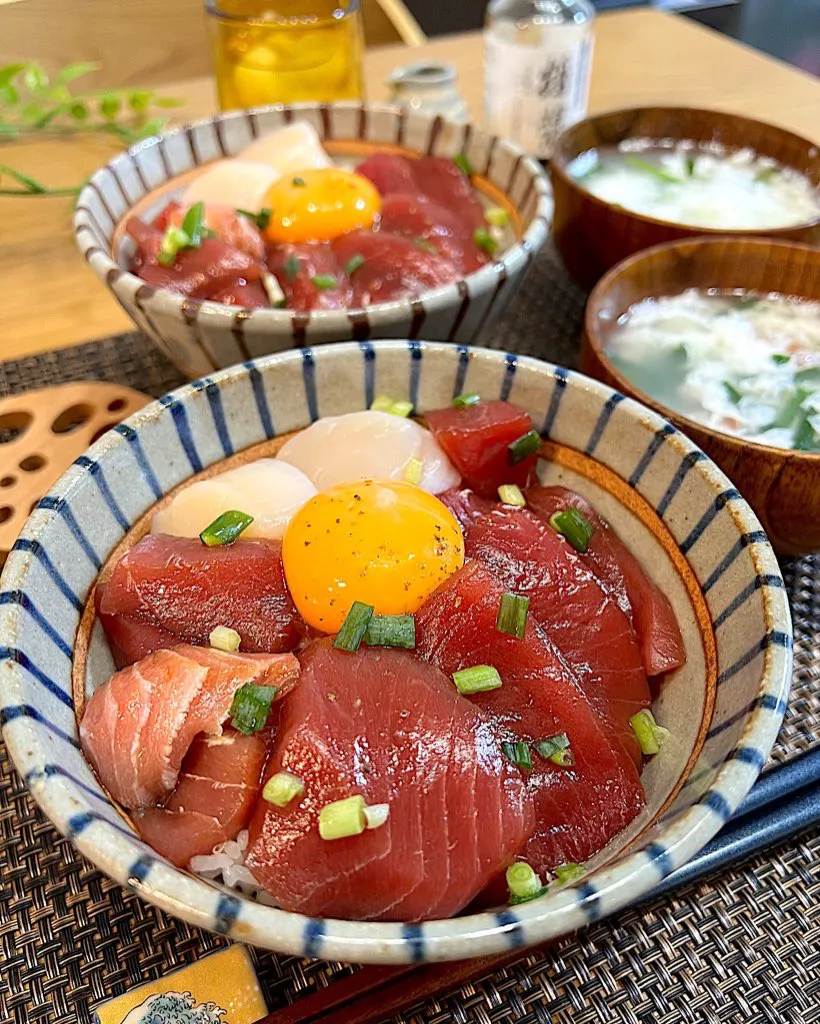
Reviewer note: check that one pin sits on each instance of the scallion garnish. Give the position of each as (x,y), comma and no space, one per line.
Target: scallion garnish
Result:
(261,219)
(354,627)
(732,392)
(462,162)
(524,884)
(250,707)
(466,400)
(518,753)
(375,815)
(510,494)
(325,281)
(497,217)
(574,525)
(746,302)
(343,818)
(422,243)
(391,631)
(225,528)
(274,290)
(282,789)
(656,172)
(291,267)
(354,263)
(524,446)
(299,182)
(568,873)
(223,638)
(781,358)
(414,471)
(556,749)
(512,615)
(173,241)
(806,438)
(689,164)
(193,224)
(396,407)
(651,736)
(477,679)
(485,241)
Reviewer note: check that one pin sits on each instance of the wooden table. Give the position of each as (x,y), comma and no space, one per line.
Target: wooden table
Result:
(49,299)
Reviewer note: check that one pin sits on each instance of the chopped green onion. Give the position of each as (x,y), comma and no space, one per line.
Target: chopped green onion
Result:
(273,290)
(250,707)
(510,494)
(526,445)
(282,788)
(656,172)
(477,679)
(569,873)
(391,631)
(422,243)
(524,884)
(808,375)
(733,393)
(466,400)
(225,528)
(401,408)
(396,407)
(354,627)
(261,219)
(414,471)
(512,615)
(689,163)
(291,267)
(518,753)
(354,263)
(342,818)
(806,438)
(791,408)
(781,359)
(375,815)
(766,174)
(746,302)
(223,638)
(556,749)
(497,217)
(485,241)
(463,164)
(194,223)
(174,240)
(650,735)
(325,281)
(574,525)
(299,182)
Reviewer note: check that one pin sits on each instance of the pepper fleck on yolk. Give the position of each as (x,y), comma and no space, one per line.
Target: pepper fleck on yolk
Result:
(384,543)
(320,204)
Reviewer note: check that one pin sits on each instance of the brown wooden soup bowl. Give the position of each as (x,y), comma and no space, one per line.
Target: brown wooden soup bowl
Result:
(593,235)
(781,485)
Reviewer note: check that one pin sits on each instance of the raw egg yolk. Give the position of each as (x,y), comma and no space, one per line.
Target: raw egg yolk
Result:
(320,204)
(384,543)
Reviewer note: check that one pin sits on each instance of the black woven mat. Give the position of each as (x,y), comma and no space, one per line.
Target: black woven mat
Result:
(740,948)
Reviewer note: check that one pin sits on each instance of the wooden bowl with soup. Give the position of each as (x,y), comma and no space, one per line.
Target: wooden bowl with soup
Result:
(722,336)
(629,179)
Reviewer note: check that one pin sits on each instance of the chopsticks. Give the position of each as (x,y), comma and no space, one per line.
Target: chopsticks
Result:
(784,802)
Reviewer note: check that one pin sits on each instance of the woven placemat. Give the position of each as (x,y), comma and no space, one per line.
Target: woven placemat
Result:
(740,947)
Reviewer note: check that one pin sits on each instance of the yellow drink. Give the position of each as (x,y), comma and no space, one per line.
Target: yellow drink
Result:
(285,51)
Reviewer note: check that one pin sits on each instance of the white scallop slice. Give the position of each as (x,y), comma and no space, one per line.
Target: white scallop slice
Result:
(269,490)
(239,184)
(295,147)
(368,446)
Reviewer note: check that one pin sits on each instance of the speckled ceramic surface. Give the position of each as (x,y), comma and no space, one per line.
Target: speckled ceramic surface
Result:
(691,528)
(200,337)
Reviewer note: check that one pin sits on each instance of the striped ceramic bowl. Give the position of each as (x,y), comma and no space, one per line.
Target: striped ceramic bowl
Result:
(200,337)
(693,531)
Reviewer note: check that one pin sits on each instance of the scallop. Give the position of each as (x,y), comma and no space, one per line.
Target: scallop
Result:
(239,184)
(296,147)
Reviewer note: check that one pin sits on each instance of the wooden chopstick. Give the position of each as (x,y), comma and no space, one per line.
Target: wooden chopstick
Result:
(784,802)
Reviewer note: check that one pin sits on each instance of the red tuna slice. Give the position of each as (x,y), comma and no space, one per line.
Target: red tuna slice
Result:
(443,182)
(177,587)
(383,724)
(217,789)
(138,726)
(296,266)
(477,440)
(163,218)
(417,217)
(390,173)
(394,267)
(466,505)
(614,564)
(198,273)
(575,609)
(580,808)
(248,294)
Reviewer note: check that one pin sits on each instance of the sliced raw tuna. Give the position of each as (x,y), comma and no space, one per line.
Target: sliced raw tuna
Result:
(466,505)
(449,234)
(138,726)
(390,173)
(172,589)
(217,789)
(578,808)
(248,294)
(477,440)
(383,724)
(297,266)
(649,609)
(574,608)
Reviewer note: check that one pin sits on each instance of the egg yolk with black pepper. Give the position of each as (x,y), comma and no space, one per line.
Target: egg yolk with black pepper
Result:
(320,204)
(385,543)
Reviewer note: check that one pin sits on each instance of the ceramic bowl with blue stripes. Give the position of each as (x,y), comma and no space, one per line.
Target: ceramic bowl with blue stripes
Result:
(677,511)
(200,337)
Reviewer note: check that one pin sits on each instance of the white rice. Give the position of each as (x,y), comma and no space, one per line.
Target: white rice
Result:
(226,866)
